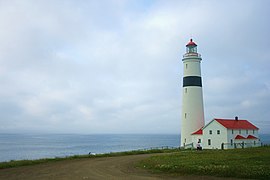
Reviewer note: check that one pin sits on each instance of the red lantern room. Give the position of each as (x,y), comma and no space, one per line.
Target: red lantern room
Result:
(191,47)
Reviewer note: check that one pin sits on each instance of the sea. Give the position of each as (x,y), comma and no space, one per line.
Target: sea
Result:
(38,146)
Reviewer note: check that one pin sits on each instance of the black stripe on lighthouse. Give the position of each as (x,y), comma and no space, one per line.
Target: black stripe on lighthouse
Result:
(192,81)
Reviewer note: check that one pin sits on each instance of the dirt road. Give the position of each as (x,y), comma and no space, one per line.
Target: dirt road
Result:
(96,168)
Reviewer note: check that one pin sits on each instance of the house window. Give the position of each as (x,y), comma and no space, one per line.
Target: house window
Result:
(218,131)
(210,131)
(253,131)
(232,131)
(239,131)
(209,142)
(246,131)
(199,141)
(231,141)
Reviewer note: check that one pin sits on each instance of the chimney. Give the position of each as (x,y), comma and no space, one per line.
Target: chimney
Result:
(236,118)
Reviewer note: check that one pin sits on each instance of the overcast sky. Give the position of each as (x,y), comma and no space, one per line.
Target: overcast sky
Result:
(104,66)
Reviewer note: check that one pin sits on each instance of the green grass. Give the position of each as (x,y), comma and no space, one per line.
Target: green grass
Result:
(19,163)
(242,163)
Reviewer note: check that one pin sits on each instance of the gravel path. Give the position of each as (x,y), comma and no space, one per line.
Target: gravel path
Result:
(96,168)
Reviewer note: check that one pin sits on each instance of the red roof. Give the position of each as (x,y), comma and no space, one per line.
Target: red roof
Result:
(239,137)
(199,132)
(236,124)
(251,137)
(191,43)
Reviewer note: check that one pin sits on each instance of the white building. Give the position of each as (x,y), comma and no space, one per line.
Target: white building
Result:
(192,109)
(227,134)
(219,133)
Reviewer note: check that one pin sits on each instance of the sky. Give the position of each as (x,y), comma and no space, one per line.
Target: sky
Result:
(115,66)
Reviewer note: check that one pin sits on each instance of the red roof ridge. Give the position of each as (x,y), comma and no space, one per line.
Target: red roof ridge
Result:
(251,137)
(236,124)
(239,137)
(230,119)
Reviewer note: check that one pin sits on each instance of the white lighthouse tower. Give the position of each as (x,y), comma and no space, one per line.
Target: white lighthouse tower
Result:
(192,104)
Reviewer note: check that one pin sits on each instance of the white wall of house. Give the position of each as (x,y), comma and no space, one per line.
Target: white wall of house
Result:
(214,134)
(232,133)
(253,143)
(239,143)
(195,139)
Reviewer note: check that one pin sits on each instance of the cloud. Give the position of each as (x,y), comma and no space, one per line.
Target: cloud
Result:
(115,66)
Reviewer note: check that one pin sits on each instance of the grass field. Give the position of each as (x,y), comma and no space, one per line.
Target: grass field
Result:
(242,163)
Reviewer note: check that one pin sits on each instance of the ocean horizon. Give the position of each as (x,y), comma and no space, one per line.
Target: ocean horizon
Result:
(38,146)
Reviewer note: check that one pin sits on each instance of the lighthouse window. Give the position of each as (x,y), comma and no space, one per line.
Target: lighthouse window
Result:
(209,142)
(185,90)
(186,66)
(185,115)
(210,131)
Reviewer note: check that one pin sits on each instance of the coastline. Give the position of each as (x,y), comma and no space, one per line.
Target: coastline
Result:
(42,146)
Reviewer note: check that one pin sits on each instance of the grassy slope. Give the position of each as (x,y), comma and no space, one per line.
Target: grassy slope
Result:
(242,163)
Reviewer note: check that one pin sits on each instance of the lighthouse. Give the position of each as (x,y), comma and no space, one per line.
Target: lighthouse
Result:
(192,99)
